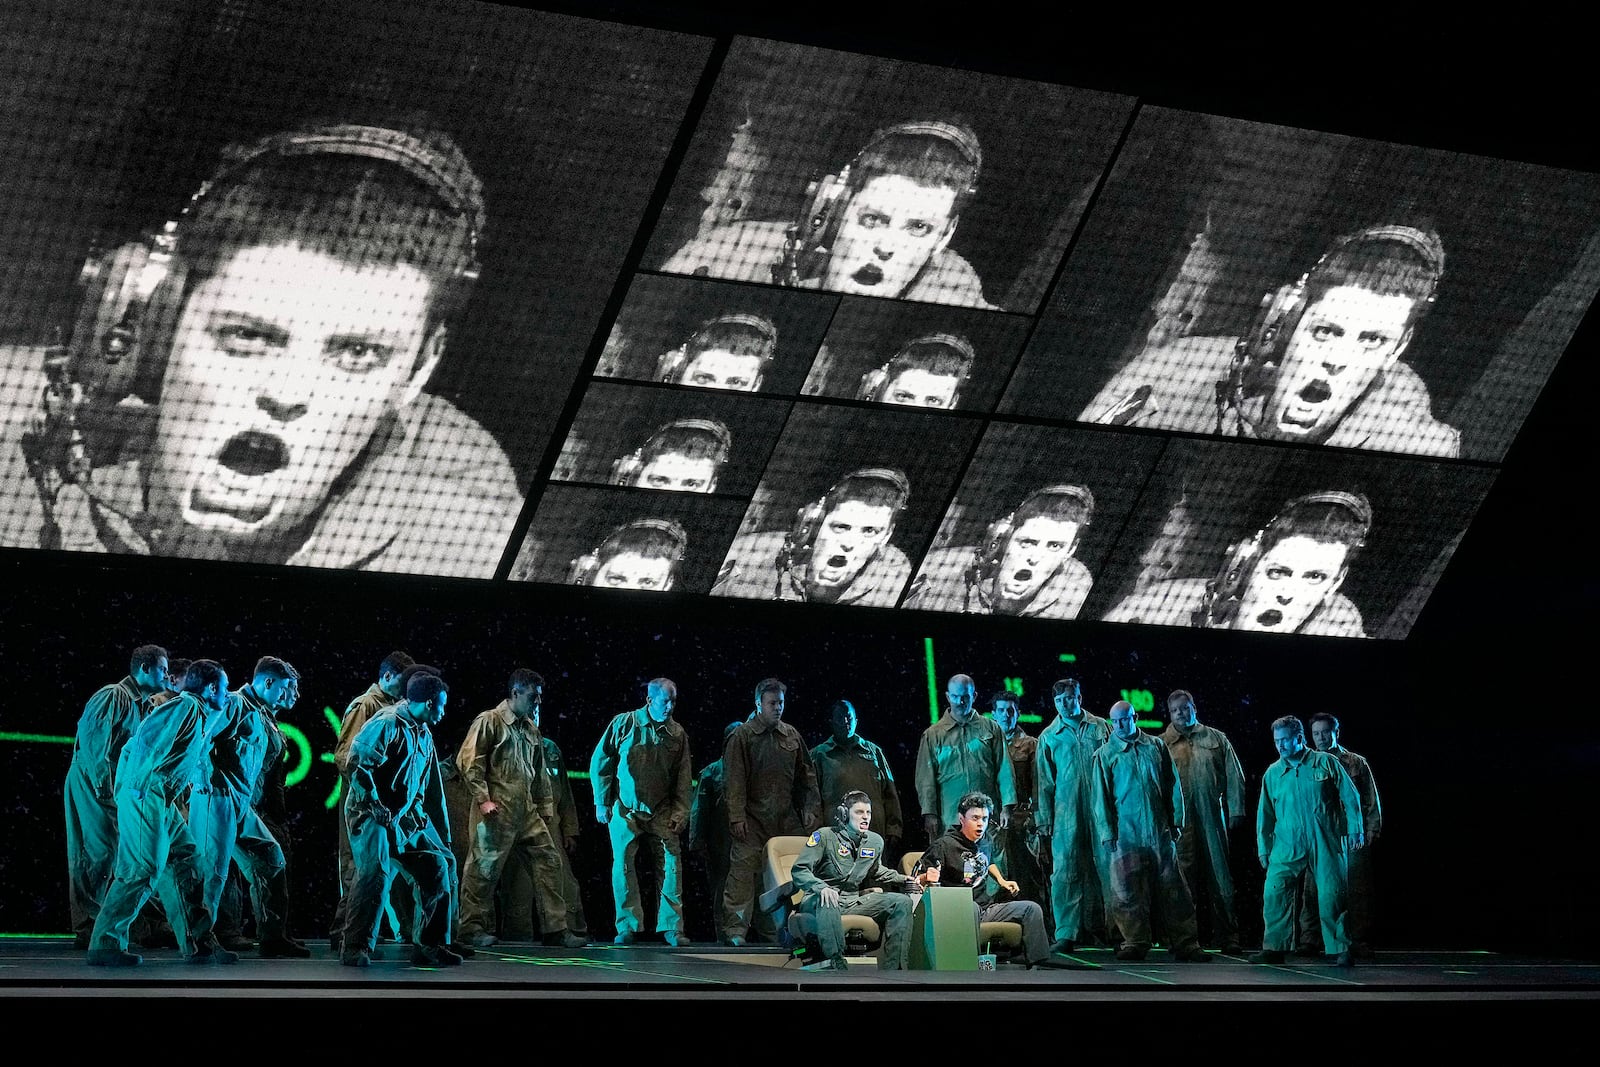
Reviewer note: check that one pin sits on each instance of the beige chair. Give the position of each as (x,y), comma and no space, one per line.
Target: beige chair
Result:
(1006,935)
(780,897)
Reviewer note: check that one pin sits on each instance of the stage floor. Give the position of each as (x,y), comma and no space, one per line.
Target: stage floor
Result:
(50,967)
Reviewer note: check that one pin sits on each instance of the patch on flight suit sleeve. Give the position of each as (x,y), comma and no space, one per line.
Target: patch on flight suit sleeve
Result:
(844,850)
(868,853)
(815,838)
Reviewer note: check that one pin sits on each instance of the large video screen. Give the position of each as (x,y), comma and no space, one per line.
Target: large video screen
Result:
(457,290)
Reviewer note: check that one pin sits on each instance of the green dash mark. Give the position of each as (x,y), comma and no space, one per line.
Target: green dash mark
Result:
(933,681)
(1030,718)
(44,739)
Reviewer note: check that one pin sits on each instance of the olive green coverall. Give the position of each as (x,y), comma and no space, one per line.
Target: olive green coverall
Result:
(771,787)
(852,863)
(641,773)
(1213,789)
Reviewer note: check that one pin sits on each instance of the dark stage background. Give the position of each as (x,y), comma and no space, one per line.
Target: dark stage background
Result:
(1476,726)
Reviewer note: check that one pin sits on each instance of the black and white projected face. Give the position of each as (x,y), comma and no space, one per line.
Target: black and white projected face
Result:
(1343,342)
(889,231)
(851,533)
(631,568)
(1277,283)
(677,472)
(1261,538)
(358,358)
(1290,581)
(899,180)
(719,368)
(919,388)
(1033,554)
(283,367)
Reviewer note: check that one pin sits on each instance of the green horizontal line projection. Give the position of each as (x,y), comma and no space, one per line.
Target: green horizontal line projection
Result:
(1030,718)
(45,739)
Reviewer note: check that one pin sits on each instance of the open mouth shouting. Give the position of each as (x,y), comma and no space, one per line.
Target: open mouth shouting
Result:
(868,275)
(240,487)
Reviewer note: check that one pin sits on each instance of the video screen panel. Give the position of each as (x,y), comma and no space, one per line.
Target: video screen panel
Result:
(716,335)
(846,506)
(627,539)
(914,355)
(671,440)
(340,280)
(1267,282)
(1033,521)
(902,180)
(1245,536)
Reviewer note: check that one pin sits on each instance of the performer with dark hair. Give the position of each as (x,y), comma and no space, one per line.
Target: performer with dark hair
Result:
(964,856)
(383,693)
(1024,566)
(849,763)
(708,827)
(1325,738)
(1322,366)
(683,456)
(838,871)
(771,792)
(881,226)
(839,550)
(109,718)
(1078,893)
(249,383)
(395,783)
(502,762)
(162,776)
(1283,579)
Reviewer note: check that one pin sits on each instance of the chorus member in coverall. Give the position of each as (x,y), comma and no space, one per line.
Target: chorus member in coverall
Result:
(771,792)
(161,779)
(271,803)
(231,831)
(502,763)
(849,763)
(565,829)
(1078,892)
(962,856)
(108,720)
(1138,817)
(841,872)
(395,782)
(708,827)
(962,753)
(1325,738)
(383,693)
(1309,815)
(641,776)
(1019,841)
(1213,792)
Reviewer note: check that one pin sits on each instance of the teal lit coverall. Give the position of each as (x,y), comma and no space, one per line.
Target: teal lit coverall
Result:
(1359,862)
(708,832)
(109,719)
(231,830)
(858,765)
(1078,892)
(356,715)
(1213,788)
(641,772)
(771,787)
(1309,814)
(1138,804)
(393,763)
(162,776)
(955,759)
(566,828)
(852,863)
